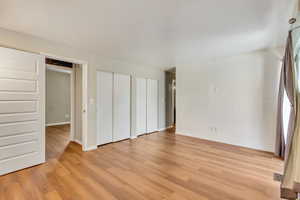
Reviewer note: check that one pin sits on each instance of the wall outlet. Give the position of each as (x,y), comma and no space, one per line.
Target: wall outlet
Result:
(67,116)
(213,129)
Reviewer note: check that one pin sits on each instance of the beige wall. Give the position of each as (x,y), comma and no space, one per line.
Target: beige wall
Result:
(58,103)
(231,100)
(95,62)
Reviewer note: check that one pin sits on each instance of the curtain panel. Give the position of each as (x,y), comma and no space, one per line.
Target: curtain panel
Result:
(291,176)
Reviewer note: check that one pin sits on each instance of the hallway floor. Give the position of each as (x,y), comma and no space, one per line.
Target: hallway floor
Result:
(57,139)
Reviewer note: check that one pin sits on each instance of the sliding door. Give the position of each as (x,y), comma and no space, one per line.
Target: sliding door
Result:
(22,110)
(141,106)
(104,107)
(152,105)
(121,107)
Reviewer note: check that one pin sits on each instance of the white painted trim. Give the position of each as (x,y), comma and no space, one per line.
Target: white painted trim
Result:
(133,137)
(71,60)
(72,114)
(186,134)
(58,123)
(85,112)
(77,141)
(59,69)
(166,128)
(94,147)
(162,129)
(84,95)
(42,81)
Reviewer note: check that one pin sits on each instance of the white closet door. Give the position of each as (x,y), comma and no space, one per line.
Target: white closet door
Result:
(152,105)
(22,110)
(121,107)
(104,107)
(141,106)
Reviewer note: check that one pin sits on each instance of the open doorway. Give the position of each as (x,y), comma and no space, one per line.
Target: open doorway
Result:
(63,107)
(171,99)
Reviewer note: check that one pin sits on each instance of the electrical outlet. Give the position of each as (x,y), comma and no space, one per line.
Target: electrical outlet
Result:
(213,129)
(67,116)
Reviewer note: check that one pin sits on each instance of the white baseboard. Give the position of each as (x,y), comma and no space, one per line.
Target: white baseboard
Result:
(77,141)
(163,129)
(223,142)
(133,137)
(186,134)
(91,148)
(58,123)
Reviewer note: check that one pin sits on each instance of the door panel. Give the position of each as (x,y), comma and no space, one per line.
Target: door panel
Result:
(27,137)
(17,107)
(11,151)
(141,106)
(13,129)
(22,101)
(121,107)
(105,107)
(18,118)
(17,85)
(152,106)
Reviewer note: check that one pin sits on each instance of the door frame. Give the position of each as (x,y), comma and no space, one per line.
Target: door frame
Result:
(85,112)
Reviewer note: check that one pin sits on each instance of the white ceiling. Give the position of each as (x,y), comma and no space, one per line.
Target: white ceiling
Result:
(153,32)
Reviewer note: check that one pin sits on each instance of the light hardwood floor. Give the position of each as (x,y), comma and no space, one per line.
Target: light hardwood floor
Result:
(160,166)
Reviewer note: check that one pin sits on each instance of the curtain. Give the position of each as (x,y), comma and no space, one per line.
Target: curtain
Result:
(290,88)
(280,142)
(291,176)
(287,83)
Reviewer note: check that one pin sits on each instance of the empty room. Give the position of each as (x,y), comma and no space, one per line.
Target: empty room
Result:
(150,100)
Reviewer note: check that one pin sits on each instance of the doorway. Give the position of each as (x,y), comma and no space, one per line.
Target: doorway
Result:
(171,98)
(63,106)
(23,113)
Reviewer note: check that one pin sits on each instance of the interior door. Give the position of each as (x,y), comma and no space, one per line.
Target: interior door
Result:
(104,107)
(152,105)
(141,106)
(121,107)
(22,110)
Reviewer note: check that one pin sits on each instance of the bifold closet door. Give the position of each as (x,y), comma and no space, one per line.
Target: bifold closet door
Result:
(121,107)
(22,110)
(104,107)
(152,105)
(141,106)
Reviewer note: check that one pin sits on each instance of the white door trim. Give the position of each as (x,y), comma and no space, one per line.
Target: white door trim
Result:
(85,112)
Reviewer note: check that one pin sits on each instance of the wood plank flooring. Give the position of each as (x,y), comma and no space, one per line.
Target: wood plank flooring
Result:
(160,166)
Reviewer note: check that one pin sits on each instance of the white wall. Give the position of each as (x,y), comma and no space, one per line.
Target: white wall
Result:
(58,94)
(96,62)
(237,96)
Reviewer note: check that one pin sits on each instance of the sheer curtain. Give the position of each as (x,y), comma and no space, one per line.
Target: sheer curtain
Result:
(291,176)
(286,115)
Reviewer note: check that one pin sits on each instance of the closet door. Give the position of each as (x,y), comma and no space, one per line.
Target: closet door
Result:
(152,106)
(104,107)
(121,107)
(141,106)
